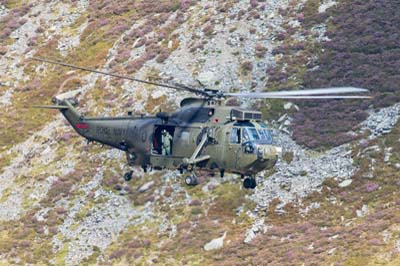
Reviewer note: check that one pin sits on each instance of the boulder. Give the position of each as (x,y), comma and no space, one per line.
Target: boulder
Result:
(207,78)
(146,186)
(216,243)
(345,183)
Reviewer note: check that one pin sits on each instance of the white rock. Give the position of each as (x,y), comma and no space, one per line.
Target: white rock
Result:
(345,183)
(363,212)
(398,245)
(206,78)
(257,227)
(216,243)
(325,5)
(288,106)
(282,118)
(146,186)
(157,94)
(331,251)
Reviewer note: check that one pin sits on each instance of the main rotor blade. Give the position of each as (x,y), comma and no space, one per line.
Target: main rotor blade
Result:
(177,87)
(335,90)
(319,97)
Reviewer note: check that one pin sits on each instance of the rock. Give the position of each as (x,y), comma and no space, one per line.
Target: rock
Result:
(207,78)
(289,105)
(388,153)
(325,5)
(331,251)
(216,243)
(345,183)
(282,118)
(383,121)
(397,245)
(363,212)
(368,175)
(146,186)
(257,227)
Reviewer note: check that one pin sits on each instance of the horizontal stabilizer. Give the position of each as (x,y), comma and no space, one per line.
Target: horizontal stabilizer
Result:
(59,107)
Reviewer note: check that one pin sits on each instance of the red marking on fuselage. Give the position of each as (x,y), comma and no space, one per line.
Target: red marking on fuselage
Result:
(82,126)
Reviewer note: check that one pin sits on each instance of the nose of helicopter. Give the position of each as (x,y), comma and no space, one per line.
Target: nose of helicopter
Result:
(266,157)
(268,152)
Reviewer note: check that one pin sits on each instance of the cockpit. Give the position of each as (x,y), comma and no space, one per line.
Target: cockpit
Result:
(244,132)
(251,136)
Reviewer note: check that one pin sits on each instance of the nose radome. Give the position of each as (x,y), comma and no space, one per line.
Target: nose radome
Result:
(270,151)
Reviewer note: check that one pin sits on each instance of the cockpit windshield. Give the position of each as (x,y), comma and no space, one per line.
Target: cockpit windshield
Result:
(265,135)
(250,134)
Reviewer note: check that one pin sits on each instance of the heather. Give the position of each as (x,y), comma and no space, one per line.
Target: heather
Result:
(353,43)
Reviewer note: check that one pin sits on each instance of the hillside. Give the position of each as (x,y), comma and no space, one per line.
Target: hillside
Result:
(332,198)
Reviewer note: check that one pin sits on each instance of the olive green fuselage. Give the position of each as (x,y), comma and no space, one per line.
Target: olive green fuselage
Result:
(140,138)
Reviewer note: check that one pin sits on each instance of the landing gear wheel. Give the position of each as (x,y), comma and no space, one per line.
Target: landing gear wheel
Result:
(222,172)
(253,183)
(191,180)
(249,182)
(128,176)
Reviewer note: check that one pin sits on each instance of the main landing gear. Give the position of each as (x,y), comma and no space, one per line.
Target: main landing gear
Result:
(249,182)
(191,180)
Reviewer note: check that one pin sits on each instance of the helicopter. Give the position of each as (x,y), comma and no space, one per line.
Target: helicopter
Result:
(204,133)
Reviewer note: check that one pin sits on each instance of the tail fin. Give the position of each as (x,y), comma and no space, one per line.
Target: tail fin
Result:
(70,113)
(67,109)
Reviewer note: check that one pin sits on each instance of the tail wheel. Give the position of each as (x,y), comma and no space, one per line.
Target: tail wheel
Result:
(191,180)
(128,176)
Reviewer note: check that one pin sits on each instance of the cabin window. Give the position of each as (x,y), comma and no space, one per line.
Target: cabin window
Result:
(235,135)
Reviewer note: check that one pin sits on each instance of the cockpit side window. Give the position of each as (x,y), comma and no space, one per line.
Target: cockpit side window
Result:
(235,135)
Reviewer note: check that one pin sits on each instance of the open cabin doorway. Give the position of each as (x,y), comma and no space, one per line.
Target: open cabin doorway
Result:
(162,142)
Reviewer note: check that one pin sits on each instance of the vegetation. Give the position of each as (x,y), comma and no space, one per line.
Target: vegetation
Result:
(362,52)
(185,219)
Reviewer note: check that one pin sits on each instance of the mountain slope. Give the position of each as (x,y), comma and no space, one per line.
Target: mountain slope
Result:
(64,202)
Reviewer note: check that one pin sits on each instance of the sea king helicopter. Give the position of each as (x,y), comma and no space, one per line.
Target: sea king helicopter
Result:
(203,133)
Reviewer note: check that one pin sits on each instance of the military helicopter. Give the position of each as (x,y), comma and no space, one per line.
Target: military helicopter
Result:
(203,134)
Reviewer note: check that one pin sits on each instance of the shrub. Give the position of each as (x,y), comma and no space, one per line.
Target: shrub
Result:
(162,56)
(246,66)
(208,30)
(3,50)
(371,187)
(260,50)
(361,53)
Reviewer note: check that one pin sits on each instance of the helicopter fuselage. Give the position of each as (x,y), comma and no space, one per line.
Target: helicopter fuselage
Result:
(205,136)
